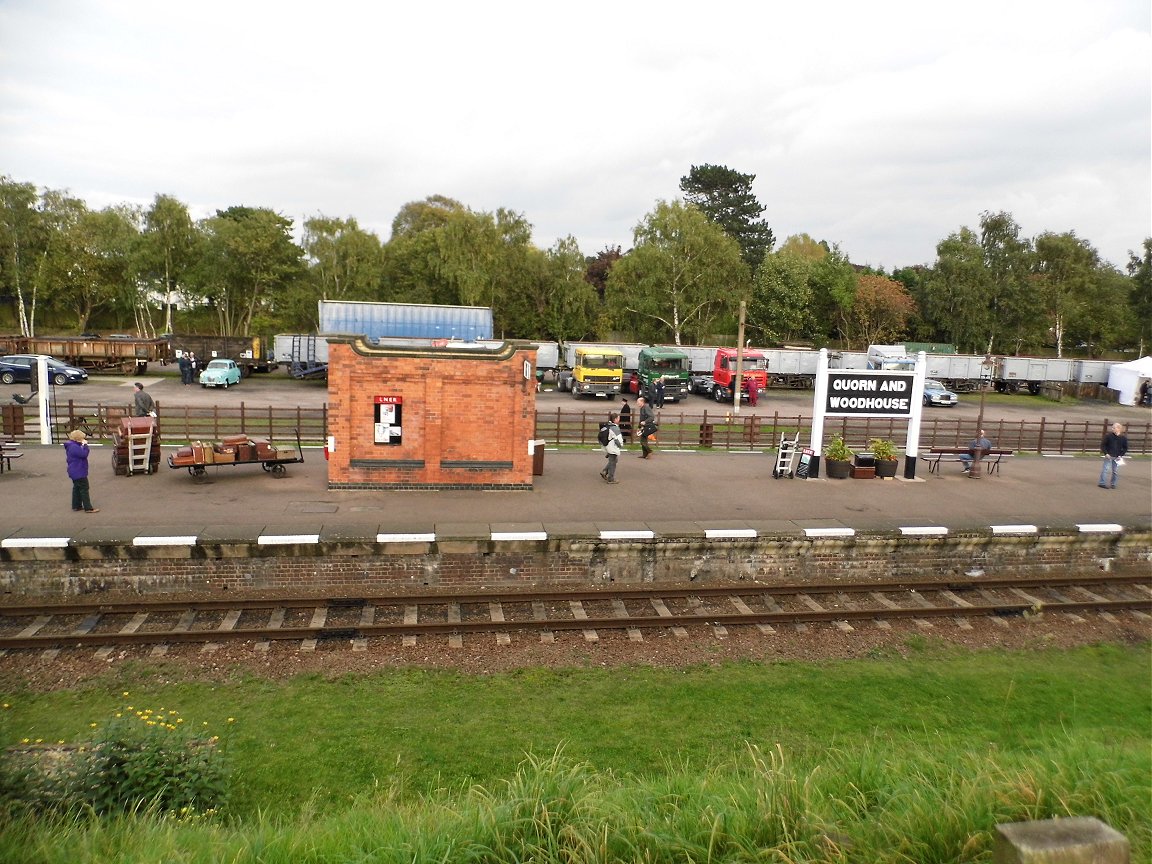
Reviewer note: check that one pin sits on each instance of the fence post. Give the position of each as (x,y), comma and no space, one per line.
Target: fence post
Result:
(1040,441)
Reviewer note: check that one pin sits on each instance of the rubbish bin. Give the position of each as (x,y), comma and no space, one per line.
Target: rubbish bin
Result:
(536,448)
(13,420)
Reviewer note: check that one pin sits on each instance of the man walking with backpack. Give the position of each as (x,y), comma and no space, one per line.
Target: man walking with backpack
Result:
(613,443)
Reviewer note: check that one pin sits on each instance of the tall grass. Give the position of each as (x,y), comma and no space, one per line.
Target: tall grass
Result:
(887,760)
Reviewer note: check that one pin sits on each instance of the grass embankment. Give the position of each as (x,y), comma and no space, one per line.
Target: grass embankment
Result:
(885,760)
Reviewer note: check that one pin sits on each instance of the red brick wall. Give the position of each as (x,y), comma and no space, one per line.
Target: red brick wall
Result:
(467,416)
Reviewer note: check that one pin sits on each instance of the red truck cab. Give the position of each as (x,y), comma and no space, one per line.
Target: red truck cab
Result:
(754,368)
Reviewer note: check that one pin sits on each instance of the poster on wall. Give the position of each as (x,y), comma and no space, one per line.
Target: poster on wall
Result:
(388,422)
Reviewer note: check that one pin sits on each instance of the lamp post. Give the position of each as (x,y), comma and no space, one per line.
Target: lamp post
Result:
(977,469)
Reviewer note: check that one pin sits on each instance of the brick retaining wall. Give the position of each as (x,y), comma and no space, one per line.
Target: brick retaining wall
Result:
(365,568)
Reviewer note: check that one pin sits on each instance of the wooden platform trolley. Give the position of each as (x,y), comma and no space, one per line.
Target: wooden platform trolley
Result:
(136,446)
(237,450)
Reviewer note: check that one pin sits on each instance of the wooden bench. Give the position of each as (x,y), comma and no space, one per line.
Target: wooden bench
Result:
(991,459)
(7,454)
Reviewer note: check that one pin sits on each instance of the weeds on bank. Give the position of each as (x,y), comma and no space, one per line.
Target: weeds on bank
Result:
(867,804)
(139,759)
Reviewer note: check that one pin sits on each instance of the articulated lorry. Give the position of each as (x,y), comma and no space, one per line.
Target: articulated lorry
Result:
(753,367)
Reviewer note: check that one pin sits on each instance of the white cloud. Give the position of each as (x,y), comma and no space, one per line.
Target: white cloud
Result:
(882,127)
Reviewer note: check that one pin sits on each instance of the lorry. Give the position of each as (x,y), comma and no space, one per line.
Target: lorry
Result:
(753,367)
(595,370)
(251,353)
(665,364)
(891,357)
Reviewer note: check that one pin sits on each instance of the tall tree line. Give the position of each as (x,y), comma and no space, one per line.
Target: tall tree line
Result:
(67,268)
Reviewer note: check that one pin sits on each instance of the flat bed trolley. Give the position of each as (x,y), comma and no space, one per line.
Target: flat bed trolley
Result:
(237,450)
(786,457)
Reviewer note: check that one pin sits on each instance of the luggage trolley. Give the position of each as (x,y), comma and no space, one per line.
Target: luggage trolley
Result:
(786,456)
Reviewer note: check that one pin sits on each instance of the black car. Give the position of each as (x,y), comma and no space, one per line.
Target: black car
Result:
(17,367)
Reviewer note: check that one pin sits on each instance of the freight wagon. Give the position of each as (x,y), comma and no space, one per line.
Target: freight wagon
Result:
(127,354)
(251,353)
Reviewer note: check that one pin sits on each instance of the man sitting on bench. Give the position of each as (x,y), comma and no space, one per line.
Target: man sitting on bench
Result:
(978,443)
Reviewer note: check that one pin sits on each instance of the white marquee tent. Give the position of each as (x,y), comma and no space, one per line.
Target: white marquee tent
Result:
(1125,378)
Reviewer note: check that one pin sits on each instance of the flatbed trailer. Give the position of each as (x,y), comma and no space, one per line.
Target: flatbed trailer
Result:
(198,457)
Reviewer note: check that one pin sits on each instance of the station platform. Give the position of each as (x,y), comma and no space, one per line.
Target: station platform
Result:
(710,494)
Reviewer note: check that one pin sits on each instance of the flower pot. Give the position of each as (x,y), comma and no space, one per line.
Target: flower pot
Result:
(838,469)
(887,467)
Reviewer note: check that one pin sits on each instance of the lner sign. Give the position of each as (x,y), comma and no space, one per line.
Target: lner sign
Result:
(876,394)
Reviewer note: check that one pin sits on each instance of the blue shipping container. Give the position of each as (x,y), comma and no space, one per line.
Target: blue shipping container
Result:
(406,320)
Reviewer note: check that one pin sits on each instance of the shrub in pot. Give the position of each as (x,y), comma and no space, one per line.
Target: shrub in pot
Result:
(838,459)
(887,456)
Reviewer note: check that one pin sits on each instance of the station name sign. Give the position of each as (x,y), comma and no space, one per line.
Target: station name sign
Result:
(875,394)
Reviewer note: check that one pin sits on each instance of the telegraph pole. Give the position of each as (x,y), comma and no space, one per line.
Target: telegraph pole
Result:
(739,360)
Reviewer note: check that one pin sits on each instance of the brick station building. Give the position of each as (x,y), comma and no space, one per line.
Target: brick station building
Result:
(430,414)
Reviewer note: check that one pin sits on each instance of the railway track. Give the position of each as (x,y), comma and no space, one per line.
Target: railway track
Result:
(356,620)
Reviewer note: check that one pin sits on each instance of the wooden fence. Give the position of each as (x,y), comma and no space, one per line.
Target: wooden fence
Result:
(720,430)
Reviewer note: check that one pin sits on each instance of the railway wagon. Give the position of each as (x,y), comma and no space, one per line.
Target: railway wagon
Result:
(251,353)
(126,354)
(1013,374)
(960,373)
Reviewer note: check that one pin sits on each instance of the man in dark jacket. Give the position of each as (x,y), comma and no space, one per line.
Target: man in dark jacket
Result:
(1112,448)
(645,425)
(142,403)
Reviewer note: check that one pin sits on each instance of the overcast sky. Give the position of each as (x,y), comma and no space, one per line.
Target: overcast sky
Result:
(881,126)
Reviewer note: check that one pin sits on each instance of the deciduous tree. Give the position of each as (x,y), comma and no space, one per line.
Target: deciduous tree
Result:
(169,249)
(1065,270)
(682,272)
(23,241)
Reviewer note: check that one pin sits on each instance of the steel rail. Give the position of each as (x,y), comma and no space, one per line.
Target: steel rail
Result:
(329,633)
(297,601)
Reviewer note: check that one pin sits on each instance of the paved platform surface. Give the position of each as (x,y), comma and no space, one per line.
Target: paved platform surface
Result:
(673,492)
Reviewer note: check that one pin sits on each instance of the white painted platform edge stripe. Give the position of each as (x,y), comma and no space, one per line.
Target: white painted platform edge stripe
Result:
(923,530)
(519,535)
(627,535)
(729,533)
(285,539)
(1100,528)
(34,542)
(174,540)
(1014,529)
(405,538)
(829,532)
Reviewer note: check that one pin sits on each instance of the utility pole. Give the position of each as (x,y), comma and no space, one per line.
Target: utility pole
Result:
(739,360)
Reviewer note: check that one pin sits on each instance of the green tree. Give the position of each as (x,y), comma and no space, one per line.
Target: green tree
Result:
(954,296)
(725,197)
(1140,302)
(1064,276)
(250,264)
(345,261)
(571,302)
(833,282)
(682,272)
(781,303)
(23,241)
(169,250)
(1104,317)
(1011,320)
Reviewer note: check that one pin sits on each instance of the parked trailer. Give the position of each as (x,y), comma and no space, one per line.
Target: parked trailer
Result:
(405,320)
(251,353)
(960,373)
(791,367)
(1091,371)
(126,354)
(303,355)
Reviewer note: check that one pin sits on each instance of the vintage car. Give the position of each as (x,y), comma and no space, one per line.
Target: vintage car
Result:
(936,393)
(220,373)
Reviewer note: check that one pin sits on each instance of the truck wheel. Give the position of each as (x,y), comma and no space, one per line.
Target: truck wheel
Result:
(717,394)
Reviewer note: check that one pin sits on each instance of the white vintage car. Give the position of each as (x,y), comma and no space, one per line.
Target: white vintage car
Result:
(220,373)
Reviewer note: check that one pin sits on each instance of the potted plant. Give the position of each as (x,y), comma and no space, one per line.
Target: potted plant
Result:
(838,459)
(887,456)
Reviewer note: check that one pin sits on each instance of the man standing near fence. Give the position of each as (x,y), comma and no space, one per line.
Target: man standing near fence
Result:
(1112,448)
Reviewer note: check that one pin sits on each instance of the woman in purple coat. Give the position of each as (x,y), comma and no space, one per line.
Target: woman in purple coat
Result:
(76,449)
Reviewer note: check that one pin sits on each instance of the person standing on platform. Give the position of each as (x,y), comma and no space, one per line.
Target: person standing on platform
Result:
(76,450)
(625,419)
(143,405)
(1112,448)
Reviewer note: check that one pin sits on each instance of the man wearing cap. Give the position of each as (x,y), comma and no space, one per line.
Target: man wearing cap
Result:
(76,449)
